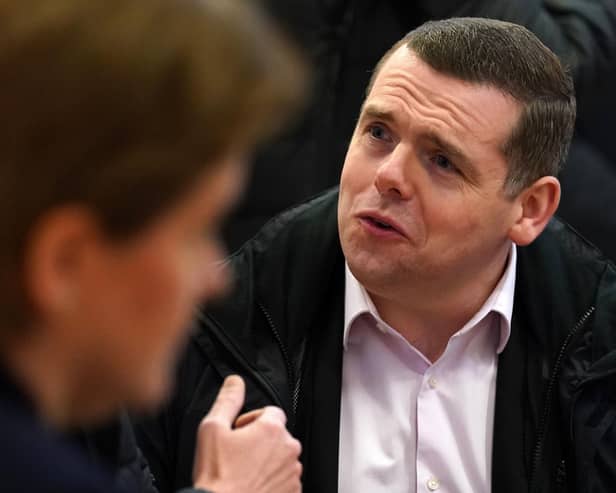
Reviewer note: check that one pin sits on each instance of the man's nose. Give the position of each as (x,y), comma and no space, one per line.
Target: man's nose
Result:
(393,174)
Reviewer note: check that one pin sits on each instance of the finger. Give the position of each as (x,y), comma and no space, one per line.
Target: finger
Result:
(229,401)
(247,418)
(273,413)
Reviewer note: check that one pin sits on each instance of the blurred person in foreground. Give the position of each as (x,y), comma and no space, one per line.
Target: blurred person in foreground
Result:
(428,326)
(126,127)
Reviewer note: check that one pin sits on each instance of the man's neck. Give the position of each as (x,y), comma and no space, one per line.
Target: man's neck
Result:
(428,315)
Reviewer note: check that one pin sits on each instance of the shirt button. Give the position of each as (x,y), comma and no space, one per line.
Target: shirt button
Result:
(432,382)
(433,484)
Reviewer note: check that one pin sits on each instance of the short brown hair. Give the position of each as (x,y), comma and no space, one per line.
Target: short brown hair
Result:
(120,104)
(512,59)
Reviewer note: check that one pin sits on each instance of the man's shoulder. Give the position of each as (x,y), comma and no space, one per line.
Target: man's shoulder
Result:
(33,458)
(293,227)
(280,274)
(564,281)
(300,245)
(560,251)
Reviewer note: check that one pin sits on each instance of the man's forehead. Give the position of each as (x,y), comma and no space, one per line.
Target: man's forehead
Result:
(402,54)
(400,59)
(406,74)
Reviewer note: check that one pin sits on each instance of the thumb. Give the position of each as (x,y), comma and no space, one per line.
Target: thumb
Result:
(229,401)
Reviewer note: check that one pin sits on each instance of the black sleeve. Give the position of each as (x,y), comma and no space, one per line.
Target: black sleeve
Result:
(167,439)
(593,453)
(581,32)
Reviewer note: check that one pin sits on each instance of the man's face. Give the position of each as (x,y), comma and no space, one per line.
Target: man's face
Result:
(422,197)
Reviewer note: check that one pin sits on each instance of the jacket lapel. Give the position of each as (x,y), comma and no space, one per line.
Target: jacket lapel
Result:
(319,407)
(510,447)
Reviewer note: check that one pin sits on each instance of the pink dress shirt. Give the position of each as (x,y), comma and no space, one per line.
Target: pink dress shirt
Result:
(409,425)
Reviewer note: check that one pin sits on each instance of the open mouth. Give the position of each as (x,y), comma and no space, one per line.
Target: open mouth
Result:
(380,224)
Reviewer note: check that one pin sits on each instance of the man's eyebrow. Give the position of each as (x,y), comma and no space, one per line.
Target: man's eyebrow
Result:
(375,112)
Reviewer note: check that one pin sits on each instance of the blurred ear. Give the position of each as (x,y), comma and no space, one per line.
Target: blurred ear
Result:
(537,204)
(56,256)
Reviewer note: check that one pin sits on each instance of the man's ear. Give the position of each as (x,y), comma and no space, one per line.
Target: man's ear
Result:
(537,204)
(56,253)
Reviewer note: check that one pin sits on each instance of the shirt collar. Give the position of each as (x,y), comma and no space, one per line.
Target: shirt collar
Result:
(357,302)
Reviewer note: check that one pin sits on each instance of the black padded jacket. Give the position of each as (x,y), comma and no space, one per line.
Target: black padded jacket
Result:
(555,410)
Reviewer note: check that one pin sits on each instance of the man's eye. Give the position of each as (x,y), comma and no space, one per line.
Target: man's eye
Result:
(444,163)
(377,132)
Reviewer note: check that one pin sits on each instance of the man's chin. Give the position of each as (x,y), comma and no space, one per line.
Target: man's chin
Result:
(369,271)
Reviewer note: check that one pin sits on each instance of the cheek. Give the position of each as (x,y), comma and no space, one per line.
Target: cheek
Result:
(138,322)
(357,172)
(206,274)
(150,300)
(157,286)
(213,282)
(356,188)
(453,221)
(464,226)
(159,312)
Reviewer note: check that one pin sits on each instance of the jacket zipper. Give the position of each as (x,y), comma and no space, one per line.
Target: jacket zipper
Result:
(538,450)
(561,476)
(294,386)
(265,384)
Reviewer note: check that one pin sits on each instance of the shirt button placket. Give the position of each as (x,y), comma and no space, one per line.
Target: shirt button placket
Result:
(433,484)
